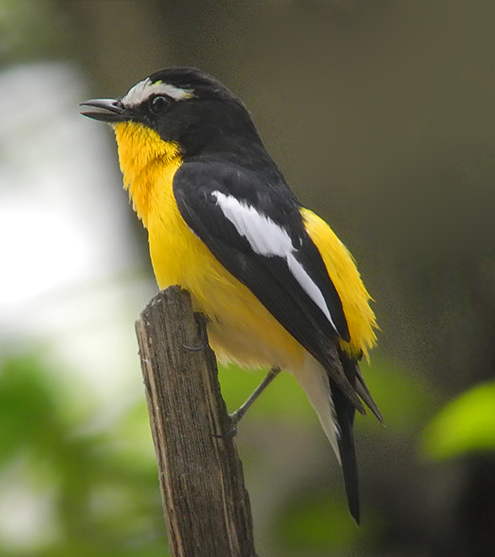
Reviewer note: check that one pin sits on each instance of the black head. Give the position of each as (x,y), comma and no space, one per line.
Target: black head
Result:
(184,105)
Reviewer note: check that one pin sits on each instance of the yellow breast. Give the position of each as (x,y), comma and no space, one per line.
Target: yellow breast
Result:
(148,164)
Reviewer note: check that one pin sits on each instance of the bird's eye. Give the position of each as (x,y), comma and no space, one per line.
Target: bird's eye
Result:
(158,103)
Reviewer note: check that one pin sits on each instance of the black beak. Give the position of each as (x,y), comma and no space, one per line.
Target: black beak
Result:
(111,111)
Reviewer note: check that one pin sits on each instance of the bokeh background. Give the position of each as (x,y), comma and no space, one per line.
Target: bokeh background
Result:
(381,114)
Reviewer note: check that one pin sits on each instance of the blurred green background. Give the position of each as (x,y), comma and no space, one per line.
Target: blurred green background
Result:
(381,114)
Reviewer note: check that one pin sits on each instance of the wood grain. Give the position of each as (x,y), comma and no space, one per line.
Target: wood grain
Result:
(206,505)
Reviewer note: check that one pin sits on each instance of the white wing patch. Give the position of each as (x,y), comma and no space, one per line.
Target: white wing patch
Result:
(269,239)
(144,89)
(264,236)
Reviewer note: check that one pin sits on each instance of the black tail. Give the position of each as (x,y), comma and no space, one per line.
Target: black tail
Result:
(344,412)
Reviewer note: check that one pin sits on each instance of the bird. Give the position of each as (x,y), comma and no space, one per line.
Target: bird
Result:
(279,290)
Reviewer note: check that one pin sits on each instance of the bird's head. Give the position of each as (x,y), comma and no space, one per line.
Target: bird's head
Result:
(181,106)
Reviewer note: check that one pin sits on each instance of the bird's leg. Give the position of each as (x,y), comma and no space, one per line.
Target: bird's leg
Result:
(238,414)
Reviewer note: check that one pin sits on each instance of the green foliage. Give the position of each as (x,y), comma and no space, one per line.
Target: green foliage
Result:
(284,399)
(405,399)
(314,524)
(465,425)
(32,30)
(93,484)
(98,500)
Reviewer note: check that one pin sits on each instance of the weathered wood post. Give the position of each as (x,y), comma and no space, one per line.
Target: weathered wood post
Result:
(205,503)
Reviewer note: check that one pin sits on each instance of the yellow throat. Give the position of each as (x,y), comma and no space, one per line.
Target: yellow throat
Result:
(148,163)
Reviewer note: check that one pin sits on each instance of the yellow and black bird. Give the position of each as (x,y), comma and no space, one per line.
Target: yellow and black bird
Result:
(278,287)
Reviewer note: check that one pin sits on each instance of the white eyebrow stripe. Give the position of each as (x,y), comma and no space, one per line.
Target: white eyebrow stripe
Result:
(267,238)
(145,88)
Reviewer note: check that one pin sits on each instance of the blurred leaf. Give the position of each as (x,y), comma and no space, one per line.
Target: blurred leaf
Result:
(311,523)
(404,398)
(27,405)
(100,487)
(465,425)
(283,398)
(31,30)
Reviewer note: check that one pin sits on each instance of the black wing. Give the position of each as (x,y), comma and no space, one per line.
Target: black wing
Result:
(209,195)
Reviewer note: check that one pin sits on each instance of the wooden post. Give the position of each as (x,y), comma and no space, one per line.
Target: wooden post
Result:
(206,505)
